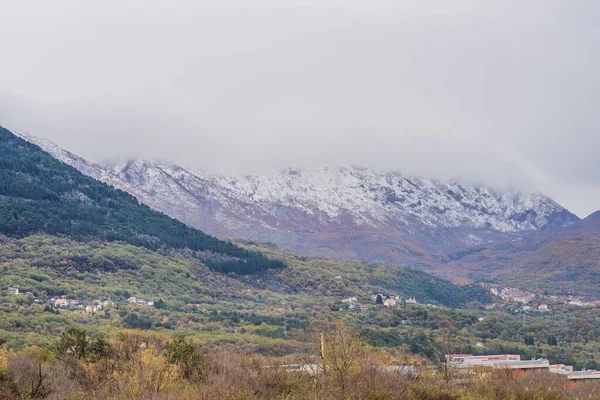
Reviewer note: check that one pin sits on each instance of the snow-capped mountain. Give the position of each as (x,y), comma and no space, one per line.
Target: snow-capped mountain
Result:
(345,212)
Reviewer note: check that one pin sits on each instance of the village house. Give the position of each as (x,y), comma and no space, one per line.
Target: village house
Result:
(93,308)
(390,303)
(543,307)
(357,307)
(350,300)
(411,300)
(13,291)
(140,302)
(97,305)
(65,303)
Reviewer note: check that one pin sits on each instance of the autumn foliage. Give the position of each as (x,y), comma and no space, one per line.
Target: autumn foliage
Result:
(142,365)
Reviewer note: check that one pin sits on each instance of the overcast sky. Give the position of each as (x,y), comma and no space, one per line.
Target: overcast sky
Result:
(503,92)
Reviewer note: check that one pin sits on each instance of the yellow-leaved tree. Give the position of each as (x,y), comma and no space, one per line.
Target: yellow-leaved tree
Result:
(3,360)
(148,371)
(342,353)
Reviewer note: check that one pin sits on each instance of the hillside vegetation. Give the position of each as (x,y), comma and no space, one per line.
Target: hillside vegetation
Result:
(269,313)
(68,237)
(39,194)
(65,237)
(49,266)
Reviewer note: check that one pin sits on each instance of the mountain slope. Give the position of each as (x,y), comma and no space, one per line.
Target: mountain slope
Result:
(39,194)
(571,257)
(69,234)
(347,213)
(561,263)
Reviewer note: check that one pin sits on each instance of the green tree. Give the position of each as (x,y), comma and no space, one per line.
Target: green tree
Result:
(73,342)
(182,352)
(160,304)
(529,340)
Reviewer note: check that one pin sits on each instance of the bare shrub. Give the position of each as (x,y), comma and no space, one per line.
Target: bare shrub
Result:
(30,371)
(142,366)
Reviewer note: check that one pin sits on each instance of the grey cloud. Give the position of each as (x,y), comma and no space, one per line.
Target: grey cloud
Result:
(502,92)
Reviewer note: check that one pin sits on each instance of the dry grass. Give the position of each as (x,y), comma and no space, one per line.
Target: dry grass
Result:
(138,367)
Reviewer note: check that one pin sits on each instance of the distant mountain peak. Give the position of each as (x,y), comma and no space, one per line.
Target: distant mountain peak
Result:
(593,218)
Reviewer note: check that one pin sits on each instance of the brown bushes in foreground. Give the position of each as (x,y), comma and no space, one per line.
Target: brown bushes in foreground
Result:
(139,365)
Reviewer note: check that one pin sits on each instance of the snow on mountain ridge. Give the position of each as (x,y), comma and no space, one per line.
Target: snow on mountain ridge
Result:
(306,199)
(364,195)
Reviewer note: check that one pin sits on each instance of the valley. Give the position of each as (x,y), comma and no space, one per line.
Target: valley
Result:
(78,255)
(464,233)
(299,200)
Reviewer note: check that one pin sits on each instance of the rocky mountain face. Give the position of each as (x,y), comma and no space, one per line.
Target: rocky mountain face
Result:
(350,213)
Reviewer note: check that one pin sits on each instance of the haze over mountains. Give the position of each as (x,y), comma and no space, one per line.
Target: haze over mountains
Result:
(64,233)
(462,232)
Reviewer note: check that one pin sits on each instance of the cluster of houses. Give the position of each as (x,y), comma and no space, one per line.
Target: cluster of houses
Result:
(71,304)
(92,307)
(12,291)
(140,302)
(354,305)
(391,301)
(519,367)
(540,308)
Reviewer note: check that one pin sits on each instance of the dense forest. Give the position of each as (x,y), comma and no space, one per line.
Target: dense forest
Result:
(39,194)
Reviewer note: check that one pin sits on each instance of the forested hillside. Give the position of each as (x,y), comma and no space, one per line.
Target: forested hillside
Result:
(39,194)
(273,308)
(270,313)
